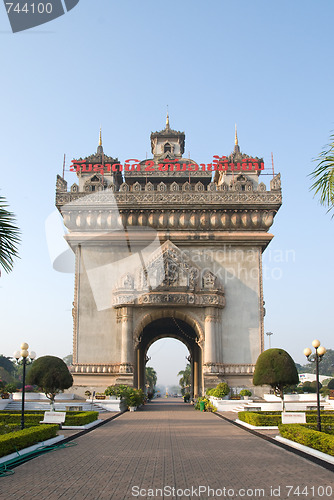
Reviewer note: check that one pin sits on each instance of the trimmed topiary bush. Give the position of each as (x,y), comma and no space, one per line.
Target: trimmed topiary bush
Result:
(276,368)
(51,375)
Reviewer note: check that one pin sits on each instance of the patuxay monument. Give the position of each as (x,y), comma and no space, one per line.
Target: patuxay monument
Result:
(166,247)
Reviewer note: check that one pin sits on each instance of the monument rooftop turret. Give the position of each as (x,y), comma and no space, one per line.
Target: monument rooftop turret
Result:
(167,164)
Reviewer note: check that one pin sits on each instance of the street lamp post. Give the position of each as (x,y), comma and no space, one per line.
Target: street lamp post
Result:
(316,358)
(269,336)
(24,354)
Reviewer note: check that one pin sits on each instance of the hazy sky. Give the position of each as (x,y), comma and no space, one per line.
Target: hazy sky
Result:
(268,66)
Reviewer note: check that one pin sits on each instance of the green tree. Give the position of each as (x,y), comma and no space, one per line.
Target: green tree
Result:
(331,384)
(221,390)
(323,176)
(276,368)
(7,369)
(51,375)
(7,364)
(311,386)
(68,360)
(185,380)
(326,366)
(9,237)
(151,378)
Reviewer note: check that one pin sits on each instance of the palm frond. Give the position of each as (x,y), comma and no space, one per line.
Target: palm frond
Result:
(9,237)
(323,176)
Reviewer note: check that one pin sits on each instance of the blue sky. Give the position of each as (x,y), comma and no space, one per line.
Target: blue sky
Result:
(266,66)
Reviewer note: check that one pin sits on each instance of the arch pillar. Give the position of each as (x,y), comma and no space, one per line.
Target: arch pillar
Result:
(126,318)
(210,335)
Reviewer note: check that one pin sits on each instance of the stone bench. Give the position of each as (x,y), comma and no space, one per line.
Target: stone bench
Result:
(54,417)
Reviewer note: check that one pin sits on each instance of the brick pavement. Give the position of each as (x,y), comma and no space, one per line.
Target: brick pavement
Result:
(165,444)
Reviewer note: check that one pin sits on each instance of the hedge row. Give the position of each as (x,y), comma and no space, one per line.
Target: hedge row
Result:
(326,418)
(17,440)
(6,428)
(83,418)
(266,418)
(255,418)
(308,437)
(72,418)
(328,429)
(18,412)
(15,418)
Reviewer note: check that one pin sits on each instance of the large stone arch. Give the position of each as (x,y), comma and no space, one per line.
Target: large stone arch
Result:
(164,313)
(173,324)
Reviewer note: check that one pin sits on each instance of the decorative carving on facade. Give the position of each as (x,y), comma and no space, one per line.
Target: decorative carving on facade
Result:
(103,368)
(170,278)
(171,219)
(61,184)
(126,198)
(229,369)
(199,186)
(275,183)
(95,183)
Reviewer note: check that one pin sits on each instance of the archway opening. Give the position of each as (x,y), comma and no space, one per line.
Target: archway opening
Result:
(168,357)
(170,327)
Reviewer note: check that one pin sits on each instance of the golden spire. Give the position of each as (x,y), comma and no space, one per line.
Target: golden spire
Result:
(100,138)
(236,136)
(167,119)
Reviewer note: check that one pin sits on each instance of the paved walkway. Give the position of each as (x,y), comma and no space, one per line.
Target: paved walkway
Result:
(167,444)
